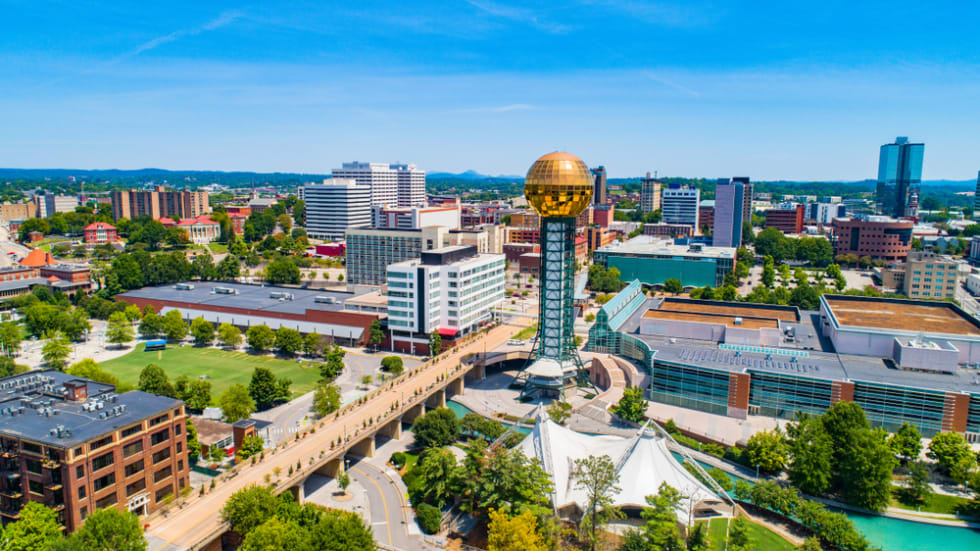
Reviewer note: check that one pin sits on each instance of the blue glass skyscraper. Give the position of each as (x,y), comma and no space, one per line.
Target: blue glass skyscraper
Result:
(729,201)
(899,177)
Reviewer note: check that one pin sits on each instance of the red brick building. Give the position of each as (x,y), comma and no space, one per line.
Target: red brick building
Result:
(604,214)
(100,232)
(879,237)
(786,220)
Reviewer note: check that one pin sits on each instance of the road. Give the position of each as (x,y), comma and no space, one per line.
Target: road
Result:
(185,527)
(386,517)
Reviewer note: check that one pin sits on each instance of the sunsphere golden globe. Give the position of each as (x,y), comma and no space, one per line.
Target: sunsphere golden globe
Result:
(558,185)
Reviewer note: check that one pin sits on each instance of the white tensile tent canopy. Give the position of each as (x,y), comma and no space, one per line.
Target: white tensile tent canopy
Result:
(643,462)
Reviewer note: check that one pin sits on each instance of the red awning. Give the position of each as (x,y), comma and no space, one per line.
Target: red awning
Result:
(447,332)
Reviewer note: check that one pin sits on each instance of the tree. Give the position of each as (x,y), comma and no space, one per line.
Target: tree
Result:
(559,411)
(435,344)
(153,379)
(393,365)
(236,404)
(266,389)
(767,450)
(174,326)
(56,350)
(202,330)
(260,337)
(313,344)
(952,454)
(377,336)
(110,529)
(840,421)
(866,475)
(673,286)
(203,267)
(229,268)
(502,478)
(88,369)
(37,528)
(248,508)
(10,337)
(288,341)
(906,442)
(768,272)
(697,537)
(597,477)
(326,399)
(340,531)
(343,481)
(229,335)
(282,271)
(738,535)
(430,518)
(519,533)
(660,530)
(917,489)
(437,428)
(251,445)
(193,444)
(334,364)
(437,476)
(151,325)
(197,394)
(811,452)
(632,406)
(276,534)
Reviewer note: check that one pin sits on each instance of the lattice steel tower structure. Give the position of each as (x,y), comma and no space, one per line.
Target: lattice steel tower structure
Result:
(559,187)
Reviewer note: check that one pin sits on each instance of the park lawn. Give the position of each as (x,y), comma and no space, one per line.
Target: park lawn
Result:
(224,368)
(218,247)
(526,333)
(935,503)
(762,537)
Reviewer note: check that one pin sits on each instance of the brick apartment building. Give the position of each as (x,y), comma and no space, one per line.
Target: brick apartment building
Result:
(159,203)
(786,220)
(878,237)
(76,446)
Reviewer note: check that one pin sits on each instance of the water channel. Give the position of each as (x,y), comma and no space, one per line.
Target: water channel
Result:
(890,534)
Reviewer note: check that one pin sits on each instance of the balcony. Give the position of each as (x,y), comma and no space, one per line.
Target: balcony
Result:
(12,493)
(53,486)
(10,513)
(51,463)
(9,453)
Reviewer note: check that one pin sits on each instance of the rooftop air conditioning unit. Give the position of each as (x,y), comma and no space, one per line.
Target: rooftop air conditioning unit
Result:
(325,300)
(184,287)
(738,320)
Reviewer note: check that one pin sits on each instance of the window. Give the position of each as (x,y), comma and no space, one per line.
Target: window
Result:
(131,430)
(162,493)
(102,461)
(104,482)
(161,455)
(100,443)
(84,512)
(81,492)
(134,468)
(35,487)
(80,471)
(137,486)
(32,448)
(106,501)
(162,474)
(158,437)
(79,451)
(180,466)
(180,448)
(130,449)
(33,466)
(177,429)
(159,420)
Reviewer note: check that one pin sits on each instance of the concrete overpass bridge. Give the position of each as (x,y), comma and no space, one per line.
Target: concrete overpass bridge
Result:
(195,523)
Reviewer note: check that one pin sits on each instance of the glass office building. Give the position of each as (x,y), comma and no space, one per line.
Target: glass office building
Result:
(899,178)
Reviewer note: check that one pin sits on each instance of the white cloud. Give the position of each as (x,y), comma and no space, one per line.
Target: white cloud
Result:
(222,20)
(522,15)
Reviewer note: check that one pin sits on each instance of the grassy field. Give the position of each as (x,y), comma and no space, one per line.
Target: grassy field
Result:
(223,368)
(218,247)
(526,333)
(762,537)
(936,503)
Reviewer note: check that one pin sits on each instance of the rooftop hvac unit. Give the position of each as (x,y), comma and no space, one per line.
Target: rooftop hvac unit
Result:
(738,320)
(184,287)
(325,300)
(224,291)
(279,295)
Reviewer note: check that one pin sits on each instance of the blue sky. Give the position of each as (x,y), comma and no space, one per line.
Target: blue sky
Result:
(772,90)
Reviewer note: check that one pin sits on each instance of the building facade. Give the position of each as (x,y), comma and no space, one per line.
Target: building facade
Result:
(653,261)
(824,213)
(680,206)
(599,186)
(17,211)
(649,194)
(400,185)
(450,290)
(729,207)
(159,203)
(407,218)
(335,206)
(786,220)
(75,446)
(899,178)
(746,196)
(49,204)
(929,275)
(878,237)
(98,233)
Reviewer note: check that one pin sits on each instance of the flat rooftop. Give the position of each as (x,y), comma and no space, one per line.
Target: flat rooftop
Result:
(648,245)
(705,317)
(731,309)
(267,298)
(901,315)
(33,404)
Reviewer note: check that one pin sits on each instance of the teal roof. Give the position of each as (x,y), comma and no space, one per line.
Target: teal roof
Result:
(580,293)
(622,306)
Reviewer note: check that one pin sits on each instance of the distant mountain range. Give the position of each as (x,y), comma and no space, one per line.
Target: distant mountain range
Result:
(470,175)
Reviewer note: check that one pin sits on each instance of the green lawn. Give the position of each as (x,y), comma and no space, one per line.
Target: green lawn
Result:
(224,368)
(527,332)
(936,503)
(218,247)
(762,537)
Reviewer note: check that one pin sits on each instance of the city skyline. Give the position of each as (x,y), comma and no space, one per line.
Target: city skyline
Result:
(634,86)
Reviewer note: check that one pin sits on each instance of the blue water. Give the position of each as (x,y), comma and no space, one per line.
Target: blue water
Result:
(890,534)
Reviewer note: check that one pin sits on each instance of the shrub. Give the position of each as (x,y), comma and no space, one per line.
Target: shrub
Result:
(713,449)
(430,518)
(398,459)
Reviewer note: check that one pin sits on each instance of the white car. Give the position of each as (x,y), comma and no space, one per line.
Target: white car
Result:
(515,342)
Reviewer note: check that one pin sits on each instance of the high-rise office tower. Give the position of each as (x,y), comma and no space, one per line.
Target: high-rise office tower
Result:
(746,196)
(976,197)
(334,206)
(599,186)
(401,185)
(680,205)
(899,176)
(729,202)
(649,194)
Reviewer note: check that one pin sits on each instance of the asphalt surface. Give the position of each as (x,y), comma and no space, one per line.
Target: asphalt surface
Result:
(386,517)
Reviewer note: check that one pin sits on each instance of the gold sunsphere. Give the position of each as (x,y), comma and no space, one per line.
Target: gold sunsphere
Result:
(558,185)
